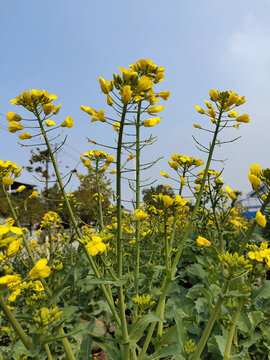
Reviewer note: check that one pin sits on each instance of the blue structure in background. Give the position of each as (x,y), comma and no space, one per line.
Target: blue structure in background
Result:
(252,203)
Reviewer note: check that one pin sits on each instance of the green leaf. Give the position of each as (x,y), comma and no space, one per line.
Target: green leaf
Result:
(57,293)
(109,347)
(139,327)
(20,349)
(261,292)
(166,351)
(221,341)
(86,344)
(255,318)
(181,331)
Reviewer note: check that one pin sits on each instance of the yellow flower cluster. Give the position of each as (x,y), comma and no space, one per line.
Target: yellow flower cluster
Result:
(45,317)
(260,254)
(234,262)
(224,101)
(184,161)
(8,171)
(97,159)
(49,220)
(134,85)
(95,246)
(35,101)
(143,301)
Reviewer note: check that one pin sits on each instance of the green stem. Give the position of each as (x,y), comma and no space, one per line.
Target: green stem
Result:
(49,355)
(232,330)
(15,324)
(100,213)
(138,223)
(73,220)
(210,323)
(119,254)
(167,280)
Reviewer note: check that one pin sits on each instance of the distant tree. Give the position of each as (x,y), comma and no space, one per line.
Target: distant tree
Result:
(40,165)
(86,199)
(155,190)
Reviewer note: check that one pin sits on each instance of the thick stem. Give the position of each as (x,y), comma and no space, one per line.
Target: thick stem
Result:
(167,280)
(232,330)
(15,324)
(119,250)
(49,355)
(210,323)
(100,213)
(137,233)
(73,220)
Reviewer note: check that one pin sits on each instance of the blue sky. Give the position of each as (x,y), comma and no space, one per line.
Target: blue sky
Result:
(64,46)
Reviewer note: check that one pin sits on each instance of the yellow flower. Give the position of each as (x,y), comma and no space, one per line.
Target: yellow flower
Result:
(232,99)
(13,247)
(95,246)
(14,295)
(116,125)
(40,270)
(145,84)
(201,241)
(21,188)
(140,214)
(233,114)
(178,200)
(164,95)
(255,181)
(197,126)
(173,164)
(48,108)
(199,109)
(88,110)
(151,122)
(131,156)
(27,97)
(260,219)
(14,126)
(68,122)
(167,201)
(49,122)
(126,94)
(36,93)
(7,181)
(56,109)
(106,86)
(163,173)
(208,104)
(33,195)
(38,286)
(113,171)
(213,95)
(255,169)
(155,109)
(230,193)
(243,118)
(25,136)
(11,116)
(9,279)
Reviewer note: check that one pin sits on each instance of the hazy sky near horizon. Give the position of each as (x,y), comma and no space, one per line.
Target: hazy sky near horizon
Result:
(64,46)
